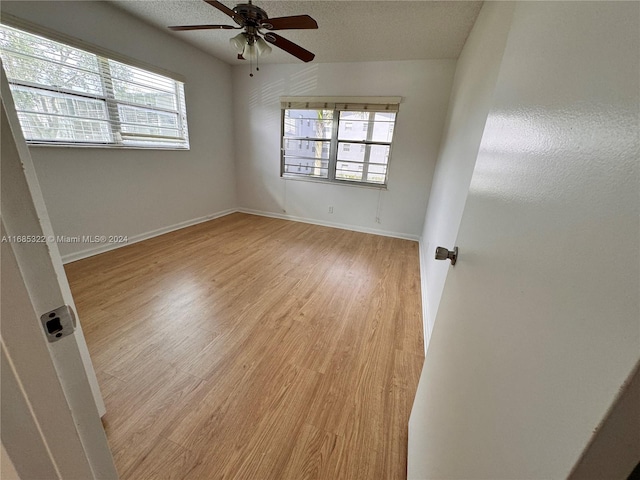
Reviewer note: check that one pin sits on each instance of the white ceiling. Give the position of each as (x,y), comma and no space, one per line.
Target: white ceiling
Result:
(349,30)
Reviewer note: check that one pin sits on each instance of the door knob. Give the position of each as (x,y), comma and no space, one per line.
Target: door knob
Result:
(444,254)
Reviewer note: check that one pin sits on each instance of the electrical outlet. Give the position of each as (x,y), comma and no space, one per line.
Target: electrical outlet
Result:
(330,209)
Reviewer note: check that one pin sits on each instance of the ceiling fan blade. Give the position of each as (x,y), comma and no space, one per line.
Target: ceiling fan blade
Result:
(222,7)
(289,47)
(290,23)
(203,27)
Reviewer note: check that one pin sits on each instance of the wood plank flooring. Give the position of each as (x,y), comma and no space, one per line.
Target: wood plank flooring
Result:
(254,348)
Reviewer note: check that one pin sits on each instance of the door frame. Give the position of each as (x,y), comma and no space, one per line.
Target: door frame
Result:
(51,386)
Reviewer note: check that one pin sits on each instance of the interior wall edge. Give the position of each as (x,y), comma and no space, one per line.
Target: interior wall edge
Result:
(423,293)
(473,88)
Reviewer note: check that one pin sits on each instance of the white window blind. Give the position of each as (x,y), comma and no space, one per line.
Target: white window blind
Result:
(65,95)
(319,135)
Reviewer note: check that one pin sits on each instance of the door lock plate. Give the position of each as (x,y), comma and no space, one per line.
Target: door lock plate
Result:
(58,323)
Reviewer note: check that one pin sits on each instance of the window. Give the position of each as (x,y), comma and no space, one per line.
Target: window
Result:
(68,96)
(332,129)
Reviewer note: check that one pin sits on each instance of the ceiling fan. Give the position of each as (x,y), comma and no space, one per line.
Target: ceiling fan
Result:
(253,20)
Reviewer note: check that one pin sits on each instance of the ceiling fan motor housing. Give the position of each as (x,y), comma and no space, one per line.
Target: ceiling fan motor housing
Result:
(248,15)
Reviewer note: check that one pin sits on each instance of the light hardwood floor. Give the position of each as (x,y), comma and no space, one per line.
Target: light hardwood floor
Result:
(255,348)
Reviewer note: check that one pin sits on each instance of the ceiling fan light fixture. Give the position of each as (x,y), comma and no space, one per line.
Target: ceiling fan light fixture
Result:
(262,47)
(238,43)
(249,51)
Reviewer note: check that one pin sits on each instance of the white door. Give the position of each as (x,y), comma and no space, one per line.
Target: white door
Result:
(51,405)
(539,324)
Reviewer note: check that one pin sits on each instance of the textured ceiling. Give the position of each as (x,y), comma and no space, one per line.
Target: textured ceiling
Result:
(349,31)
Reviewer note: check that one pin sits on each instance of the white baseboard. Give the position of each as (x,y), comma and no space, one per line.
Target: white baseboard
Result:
(342,226)
(90,252)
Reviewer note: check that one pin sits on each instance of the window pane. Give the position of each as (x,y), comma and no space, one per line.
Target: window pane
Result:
(354,161)
(142,130)
(359,122)
(63,129)
(148,122)
(143,95)
(379,154)
(347,151)
(377,173)
(308,123)
(138,86)
(120,71)
(33,59)
(383,126)
(25,43)
(306,148)
(306,167)
(40,101)
(366,126)
(349,171)
(56,76)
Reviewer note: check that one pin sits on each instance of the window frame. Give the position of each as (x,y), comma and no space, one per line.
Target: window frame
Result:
(337,105)
(117,137)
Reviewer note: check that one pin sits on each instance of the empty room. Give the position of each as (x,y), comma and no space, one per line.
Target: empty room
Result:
(347,240)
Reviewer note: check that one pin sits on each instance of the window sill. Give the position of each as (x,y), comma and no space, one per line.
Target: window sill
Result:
(371,186)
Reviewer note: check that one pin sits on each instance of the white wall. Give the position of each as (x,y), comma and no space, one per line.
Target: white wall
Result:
(471,94)
(538,327)
(134,192)
(424,86)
